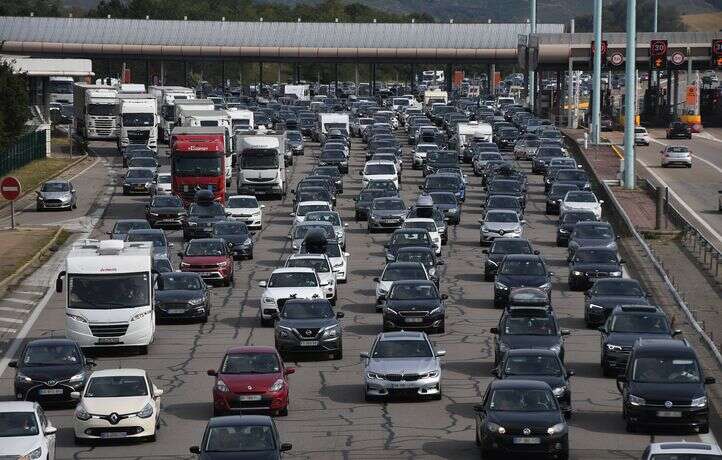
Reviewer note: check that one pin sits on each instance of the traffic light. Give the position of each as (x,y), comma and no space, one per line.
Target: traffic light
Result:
(718,62)
(658,54)
(659,63)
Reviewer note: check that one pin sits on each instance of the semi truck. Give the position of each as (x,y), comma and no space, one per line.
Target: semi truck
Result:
(108,290)
(197,158)
(138,120)
(166,97)
(261,165)
(213,118)
(171,113)
(95,110)
(60,90)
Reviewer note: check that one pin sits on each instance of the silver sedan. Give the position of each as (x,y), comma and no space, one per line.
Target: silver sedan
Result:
(56,194)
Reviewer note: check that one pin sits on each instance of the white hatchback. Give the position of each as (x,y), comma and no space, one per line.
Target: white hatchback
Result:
(288,283)
(245,208)
(25,432)
(379,170)
(581,200)
(321,264)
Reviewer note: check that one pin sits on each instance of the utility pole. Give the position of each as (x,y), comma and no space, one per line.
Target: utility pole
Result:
(597,76)
(653,74)
(630,97)
(570,84)
(532,30)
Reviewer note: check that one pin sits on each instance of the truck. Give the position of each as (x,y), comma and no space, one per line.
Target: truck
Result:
(261,164)
(432,96)
(171,113)
(60,90)
(329,121)
(302,92)
(470,132)
(197,159)
(241,120)
(215,118)
(138,120)
(95,111)
(131,88)
(166,97)
(109,295)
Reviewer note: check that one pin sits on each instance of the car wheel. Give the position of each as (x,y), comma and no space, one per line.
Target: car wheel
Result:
(204,320)
(704,429)
(689,165)
(477,440)
(250,255)
(80,441)
(630,427)
(38,209)
(367,396)
(150,438)
(488,277)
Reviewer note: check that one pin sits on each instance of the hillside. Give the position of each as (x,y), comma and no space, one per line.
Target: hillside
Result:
(703,22)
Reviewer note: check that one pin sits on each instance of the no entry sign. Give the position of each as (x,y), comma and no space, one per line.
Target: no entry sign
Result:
(10,188)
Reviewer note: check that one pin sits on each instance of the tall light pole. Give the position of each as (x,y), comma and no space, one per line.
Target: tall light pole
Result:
(597,76)
(653,74)
(630,94)
(532,30)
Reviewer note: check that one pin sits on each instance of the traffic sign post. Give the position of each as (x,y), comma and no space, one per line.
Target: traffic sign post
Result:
(717,53)
(658,54)
(10,189)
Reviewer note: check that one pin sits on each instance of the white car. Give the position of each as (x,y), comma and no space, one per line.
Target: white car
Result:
(429,225)
(338,258)
(245,208)
(162,184)
(676,155)
(25,431)
(682,450)
(321,264)
(379,170)
(287,283)
(581,200)
(641,136)
(304,207)
(117,404)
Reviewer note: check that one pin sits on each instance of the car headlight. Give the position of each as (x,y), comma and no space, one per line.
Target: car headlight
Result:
(153,214)
(20,377)
(577,273)
(221,386)
(191,223)
(277,385)
(556,348)
(501,286)
(390,257)
(557,429)
(374,376)
(430,375)
(559,391)
(37,453)
(484,228)
(269,300)
(77,378)
(699,402)
(563,231)
(612,347)
(196,302)
(81,413)
(78,318)
(546,286)
(147,411)
(184,265)
(330,332)
(140,315)
(503,347)
(222,264)
(617,273)
(453,210)
(435,310)
(636,400)
(390,310)
(495,428)
(595,307)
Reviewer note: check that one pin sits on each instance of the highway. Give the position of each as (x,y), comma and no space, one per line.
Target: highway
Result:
(328,417)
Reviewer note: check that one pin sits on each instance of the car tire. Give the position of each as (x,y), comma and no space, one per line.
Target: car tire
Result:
(250,256)
(630,427)
(367,396)
(204,320)
(704,429)
(488,277)
(143,350)
(150,438)
(80,441)
(606,372)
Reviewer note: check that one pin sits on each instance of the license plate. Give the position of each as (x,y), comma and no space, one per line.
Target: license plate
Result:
(51,391)
(414,320)
(309,343)
(527,441)
(176,311)
(109,340)
(669,413)
(113,434)
(249,398)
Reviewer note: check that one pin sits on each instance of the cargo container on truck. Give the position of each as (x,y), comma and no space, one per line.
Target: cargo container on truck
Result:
(131,88)
(171,113)
(213,118)
(166,97)
(432,96)
(302,92)
(60,90)
(261,165)
(95,109)
(198,156)
(138,120)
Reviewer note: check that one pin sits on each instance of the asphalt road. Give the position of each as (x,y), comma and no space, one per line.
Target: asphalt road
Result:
(328,416)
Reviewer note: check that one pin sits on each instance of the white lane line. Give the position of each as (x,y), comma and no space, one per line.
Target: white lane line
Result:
(11,320)
(15,310)
(714,166)
(16,300)
(10,330)
(30,292)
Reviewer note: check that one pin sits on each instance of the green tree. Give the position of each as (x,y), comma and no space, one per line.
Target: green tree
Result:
(14,101)
(25,7)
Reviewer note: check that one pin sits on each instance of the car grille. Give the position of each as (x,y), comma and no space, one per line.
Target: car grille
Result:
(675,402)
(104,123)
(402,377)
(204,267)
(307,332)
(414,313)
(53,201)
(138,136)
(108,330)
(258,179)
(598,274)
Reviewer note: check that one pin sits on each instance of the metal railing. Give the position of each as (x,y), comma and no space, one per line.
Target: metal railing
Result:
(30,147)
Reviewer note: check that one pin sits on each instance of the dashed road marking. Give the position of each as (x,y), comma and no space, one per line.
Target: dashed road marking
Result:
(15,310)
(11,320)
(16,300)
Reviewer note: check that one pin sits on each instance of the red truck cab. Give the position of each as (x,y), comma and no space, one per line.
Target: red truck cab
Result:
(198,162)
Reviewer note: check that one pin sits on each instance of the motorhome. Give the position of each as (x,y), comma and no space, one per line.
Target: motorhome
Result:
(95,111)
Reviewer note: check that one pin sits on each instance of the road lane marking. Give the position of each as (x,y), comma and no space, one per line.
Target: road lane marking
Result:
(11,320)
(14,310)
(716,168)
(16,300)
(30,292)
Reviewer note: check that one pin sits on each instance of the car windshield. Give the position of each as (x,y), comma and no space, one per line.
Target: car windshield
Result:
(442,182)
(142,162)
(292,279)
(411,238)
(527,267)
(423,257)
(548,152)
(333,155)
(402,349)
(573,217)
(694,456)
(166,202)
(593,231)
(294,136)
(529,325)
(13,424)
(617,288)
(51,355)
(388,205)
(413,291)
(428,225)
(205,248)
(595,256)
(211,210)
(321,216)
(665,370)
(490,156)
(139,174)
(571,175)
(117,386)
(505,187)
(181,282)
(108,291)
(56,187)
(221,229)
(443,198)
(126,226)
(250,363)
(240,439)
(533,365)
(158,239)
(522,400)
(303,209)
(559,190)
(404,273)
(501,217)
(379,169)
(503,202)
(318,264)
(300,231)
(580,197)
(678,149)
(510,247)
(307,310)
(639,323)
(369,195)
(242,202)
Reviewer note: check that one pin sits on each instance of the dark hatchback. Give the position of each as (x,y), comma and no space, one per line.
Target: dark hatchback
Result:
(424,255)
(251,437)
(364,200)
(414,304)
(49,370)
(566,224)
(520,270)
(504,202)
(664,387)
(624,326)
(165,211)
(200,220)
(542,365)
(500,248)
(507,187)
(679,130)
(182,295)
(528,327)
(590,264)
(309,326)
(521,417)
(236,234)
(542,158)
(447,203)
(606,294)
(586,234)
(574,176)
(334,158)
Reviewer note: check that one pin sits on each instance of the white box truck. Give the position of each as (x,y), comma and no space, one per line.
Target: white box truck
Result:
(261,165)
(171,115)
(60,90)
(95,111)
(329,121)
(108,290)
(432,96)
(302,92)
(166,97)
(138,117)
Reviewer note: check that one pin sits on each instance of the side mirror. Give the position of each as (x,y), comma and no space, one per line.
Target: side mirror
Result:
(566,332)
(50,430)
(676,332)
(345,225)
(179,254)
(536,252)
(601,201)
(602,329)
(364,355)
(90,363)
(195,450)
(75,395)
(262,284)
(444,296)
(440,262)
(292,214)
(286,446)
(13,364)
(276,315)
(346,254)
(709,380)
(484,251)
(421,187)
(571,374)
(479,408)
(376,279)
(440,353)
(263,206)
(157,392)
(340,314)
(212,372)
(289,371)
(360,173)
(495,372)
(59,282)
(494,330)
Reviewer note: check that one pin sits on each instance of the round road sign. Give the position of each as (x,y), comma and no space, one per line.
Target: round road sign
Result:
(616,58)
(10,188)
(678,58)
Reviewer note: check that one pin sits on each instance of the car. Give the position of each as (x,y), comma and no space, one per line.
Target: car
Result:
(445,182)
(332,217)
(425,208)
(500,223)
(321,264)
(482,158)
(56,194)
(407,237)
(555,196)
(182,295)
(338,257)
(294,141)
(117,404)
(574,176)
(397,271)
(144,162)
(165,211)
(48,370)
(155,236)
(419,152)
(284,284)
(299,232)
(386,213)
(608,293)
(591,233)
(504,202)
(201,218)
(525,149)
(510,187)
(251,378)
(162,184)
(590,264)
(520,270)
(624,325)
(540,365)
(162,264)
(423,255)
(676,155)
(664,387)
(334,158)
(429,225)
(123,226)
(211,258)
(414,304)
(365,198)
(309,326)
(138,180)
(379,170)
(682,450)
(304,207)
(521,417)
(250,436)
(528,326)
(543,157)
(246,209)
(447,203)
(236,234)
(678,129)
(26,432)
(582,200)
(402,363)
(567,221)
(500,248)
(641,136)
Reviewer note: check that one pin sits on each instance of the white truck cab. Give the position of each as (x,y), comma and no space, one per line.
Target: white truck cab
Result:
(138,115)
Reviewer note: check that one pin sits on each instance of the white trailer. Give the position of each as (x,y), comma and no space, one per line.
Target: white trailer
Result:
(166,97)
(95,111)
(138,115)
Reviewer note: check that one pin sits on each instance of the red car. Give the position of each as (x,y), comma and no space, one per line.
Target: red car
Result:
(209,257)
(251,379)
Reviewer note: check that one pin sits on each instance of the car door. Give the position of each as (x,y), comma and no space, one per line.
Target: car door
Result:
(48,439)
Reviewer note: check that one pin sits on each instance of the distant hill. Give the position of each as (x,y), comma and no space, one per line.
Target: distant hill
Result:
(711,22)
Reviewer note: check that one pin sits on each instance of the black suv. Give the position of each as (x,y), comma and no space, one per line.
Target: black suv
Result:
(447,203)
(606,294)
(679,130)
(500,248)
(165,211)
(520,270)
(414,304)
(624,326)
(566,224)
(309,326)
(664,387)
(528,327)
(589,264)
(586,234)
(200,220)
